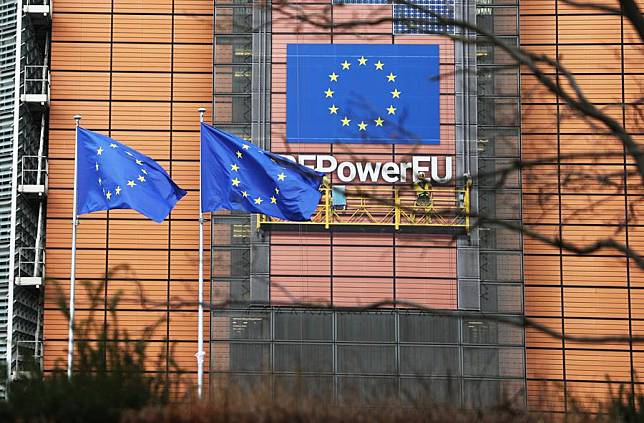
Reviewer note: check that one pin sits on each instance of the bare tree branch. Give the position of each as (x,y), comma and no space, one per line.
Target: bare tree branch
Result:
(578,101)
(634,15)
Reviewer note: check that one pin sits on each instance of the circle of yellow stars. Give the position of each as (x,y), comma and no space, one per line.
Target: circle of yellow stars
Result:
(115,192)
(362,125)
(235,181)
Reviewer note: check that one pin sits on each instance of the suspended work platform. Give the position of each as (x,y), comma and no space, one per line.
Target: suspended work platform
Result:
(395,207)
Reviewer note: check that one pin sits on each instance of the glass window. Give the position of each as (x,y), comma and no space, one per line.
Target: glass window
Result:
(501,298)
(485,331)
(304,358)
(367,390)
(497,20)
(234,20)
(427,360)
(499,238)
(376,327)
(235,49)
(249,357)
(496,81)
(501,142)
(487,393)
(233,79)
(501,266)
(504,205)
(487,53)
(427,328)
(493,362)
(303,325)
(367,359)
(498,111)
(498,173)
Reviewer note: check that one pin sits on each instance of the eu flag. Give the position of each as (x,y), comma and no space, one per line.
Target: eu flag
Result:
(237,175)
(112,175)
(355,93)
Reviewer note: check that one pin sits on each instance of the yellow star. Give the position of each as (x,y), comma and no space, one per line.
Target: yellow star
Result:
(362,61)
(99,151)
(345,65)
(395,93)
(329,93)
(281,176)
(117,190)
(391,110)
(333,110)
(362,126)
(139,162)
(244,194)
(277,191)
(145,172)
(100,181)
(258,200)
(108,195)
(379,121)
(113,145)
(273,200)
(236,182)
(345,121)
(234,167)
(391,77)
(239,154)
(334,77)
(141,178)
(128,153)
(245,146)
(131,184)
(97,167)
(378,65)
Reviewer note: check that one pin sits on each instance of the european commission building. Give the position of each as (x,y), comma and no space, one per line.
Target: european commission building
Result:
(399,286)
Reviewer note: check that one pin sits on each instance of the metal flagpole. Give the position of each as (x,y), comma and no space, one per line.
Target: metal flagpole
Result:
(200,352)
(72,279)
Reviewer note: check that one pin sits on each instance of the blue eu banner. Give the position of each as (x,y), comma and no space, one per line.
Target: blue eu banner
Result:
(237,175)
(112,175)
(355,93)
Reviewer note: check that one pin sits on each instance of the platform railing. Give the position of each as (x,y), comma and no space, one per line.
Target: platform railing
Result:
(396,207)
(31,266)
(36,83)
(34,175)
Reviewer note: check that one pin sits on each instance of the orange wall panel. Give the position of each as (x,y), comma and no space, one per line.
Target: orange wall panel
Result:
(82,27)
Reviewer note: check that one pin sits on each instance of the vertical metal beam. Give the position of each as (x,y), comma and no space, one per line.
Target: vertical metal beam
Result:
(14,186)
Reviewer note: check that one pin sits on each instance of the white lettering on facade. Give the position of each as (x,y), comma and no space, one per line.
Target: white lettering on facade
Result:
(352,171)
(368,170)
(389,172)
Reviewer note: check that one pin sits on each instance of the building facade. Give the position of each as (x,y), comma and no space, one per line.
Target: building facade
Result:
(24,116)
(289,300)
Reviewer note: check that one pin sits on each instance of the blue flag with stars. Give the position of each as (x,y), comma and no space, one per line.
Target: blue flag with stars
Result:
(112,175)
(355,93)
(237,175)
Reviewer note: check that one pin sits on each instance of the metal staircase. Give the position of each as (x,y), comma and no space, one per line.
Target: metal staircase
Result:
(25,26)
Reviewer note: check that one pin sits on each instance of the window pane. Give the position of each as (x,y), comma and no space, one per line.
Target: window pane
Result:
(426,328)
(302,325)
(366,327)
(304,358)
(424,360)
(367,359)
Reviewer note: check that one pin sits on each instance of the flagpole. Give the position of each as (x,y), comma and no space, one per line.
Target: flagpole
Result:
(200,352)
(72,279)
